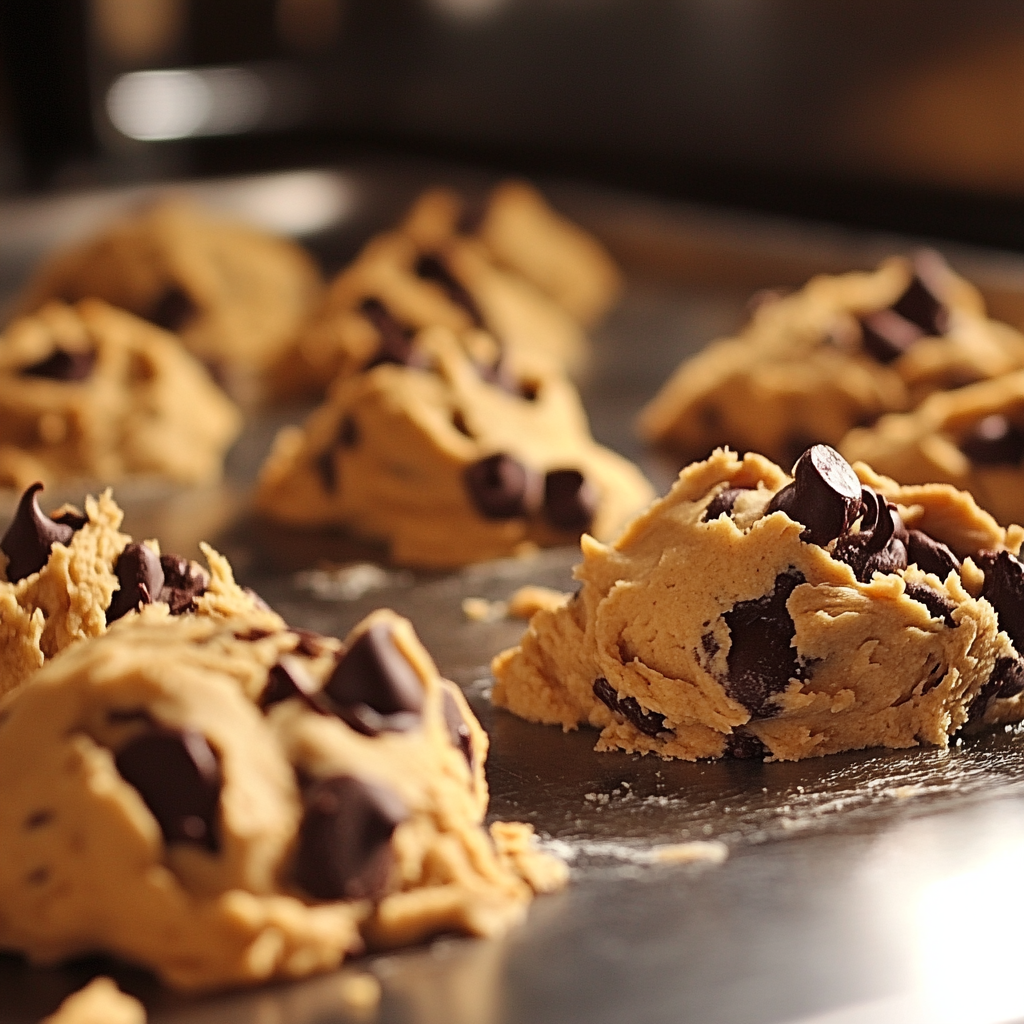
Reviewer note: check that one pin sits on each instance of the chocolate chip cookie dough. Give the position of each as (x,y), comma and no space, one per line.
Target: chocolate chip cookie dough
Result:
(972,438)
(89,391)
(225,803)
(751,614)
(65,577)
(451,459)
(429,274)
(100,1002)
(235,295)
(835,355)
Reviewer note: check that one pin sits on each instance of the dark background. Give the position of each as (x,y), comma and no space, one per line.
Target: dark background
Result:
(890,113)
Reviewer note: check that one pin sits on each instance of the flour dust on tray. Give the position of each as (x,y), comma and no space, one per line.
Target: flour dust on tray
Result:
(753,614)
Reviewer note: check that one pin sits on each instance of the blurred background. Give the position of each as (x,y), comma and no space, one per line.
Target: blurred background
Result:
(893,114)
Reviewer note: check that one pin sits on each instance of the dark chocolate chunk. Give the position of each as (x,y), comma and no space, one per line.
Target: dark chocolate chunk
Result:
(310,644)
(650,723)
(938,606)
(922,303)
(431,267)
(710,644)
(1008,674)
(881,544)
(173,310)
(184,581)
(70,517)
(745,745)
(141,576)
(762,659)
(994,441)
(344,849)
(458,730)
(887,335)
(501,487)
(825,495)
(30,537)
(290,678)
(722,503)
(64,366)
(570,500)
(395,340)
(931,555)
(1004,590)
(178,776)
(373,687)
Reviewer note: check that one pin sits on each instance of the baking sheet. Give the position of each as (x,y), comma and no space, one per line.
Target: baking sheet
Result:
(875,886)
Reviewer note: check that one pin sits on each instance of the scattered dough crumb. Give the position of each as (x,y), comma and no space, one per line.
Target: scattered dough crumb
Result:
(698,851)
(529,599)
(360,994)
(100,1002)
(479,609)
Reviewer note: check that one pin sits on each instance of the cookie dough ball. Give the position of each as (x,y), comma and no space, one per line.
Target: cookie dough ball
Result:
(972,438)
(91,391)
(835,355)
(522,233)
(223,805)
(64,577)
(752,614)
(100,1002)
(235,295)
(450,460)
(397,287)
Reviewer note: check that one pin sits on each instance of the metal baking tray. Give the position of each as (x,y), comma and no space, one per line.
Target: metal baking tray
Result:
(869,887)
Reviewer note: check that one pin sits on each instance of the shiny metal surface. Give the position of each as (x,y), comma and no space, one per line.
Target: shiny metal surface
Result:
(866,887)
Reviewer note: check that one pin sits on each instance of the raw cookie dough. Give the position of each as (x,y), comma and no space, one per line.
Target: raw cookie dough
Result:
(972,438)
(447,466)
(428,276)
(224,803)
(100,1002)
(234,294)
(65,577)
(835,355)
(91,391)
(748,615)
(526,236)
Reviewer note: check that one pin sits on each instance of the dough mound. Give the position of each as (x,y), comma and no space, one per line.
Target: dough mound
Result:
(63,577)
(835,355)
(100,1002)
(972,438)
(234,294)
(746,614)
(517,270)
(225,803)
(450,459)
(91,391)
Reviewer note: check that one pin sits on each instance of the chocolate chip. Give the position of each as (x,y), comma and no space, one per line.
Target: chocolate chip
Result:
(994,441)
(762,660)
(310,644)
(745,745)
(501,487)
(710,644)
(1004,590)
(63,366)
(650,723)
(570,500)
(1008,673)
(373,688)
(141,576)
(938,606)
(179,779)
(173,310)
(458,731)
(887,335)
(70,517)
(290,678)
(825,495)
(30,537)
(430,267)
(184,581)
(931,555)
(395,340)
(881,544)
(722,503)
(344,849)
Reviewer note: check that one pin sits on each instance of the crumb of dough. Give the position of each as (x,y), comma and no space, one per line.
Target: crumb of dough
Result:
(699,851)
(360,994)
(100,1002)
(529,599)
(479,609)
